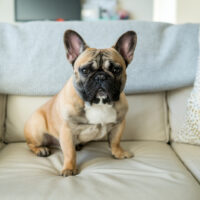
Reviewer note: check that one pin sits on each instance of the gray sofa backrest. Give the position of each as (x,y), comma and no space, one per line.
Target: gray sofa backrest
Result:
(33,61)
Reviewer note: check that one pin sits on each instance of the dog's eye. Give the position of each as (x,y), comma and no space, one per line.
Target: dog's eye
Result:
(117,70)
(85,70)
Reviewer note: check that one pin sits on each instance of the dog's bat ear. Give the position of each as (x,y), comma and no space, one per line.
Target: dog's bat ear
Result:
(74,45)
(126,45)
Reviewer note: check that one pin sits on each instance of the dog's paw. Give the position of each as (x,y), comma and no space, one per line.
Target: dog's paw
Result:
(122,154)
(43,151)
(69,172)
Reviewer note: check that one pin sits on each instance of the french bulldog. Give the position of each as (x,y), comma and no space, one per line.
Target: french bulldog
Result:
(91,105)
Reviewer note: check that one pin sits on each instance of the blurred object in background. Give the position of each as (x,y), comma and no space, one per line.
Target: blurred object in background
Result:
(60,10)
(108,9)
(102,10)
(123,14)
(90,10)
(172,11)
(137,9)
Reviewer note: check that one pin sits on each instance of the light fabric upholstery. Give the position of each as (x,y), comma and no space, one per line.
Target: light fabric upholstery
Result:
(146,119)
(190,155)
(35,50)
(19,109)
(2,114)
(190,131)
(2,145)
(177,102)
(154,173)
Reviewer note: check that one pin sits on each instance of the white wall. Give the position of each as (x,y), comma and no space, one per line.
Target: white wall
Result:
(7,11)
(188,11)
(165,11)
(177,11)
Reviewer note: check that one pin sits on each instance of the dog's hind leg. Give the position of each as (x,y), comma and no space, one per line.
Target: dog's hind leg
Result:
(34,132)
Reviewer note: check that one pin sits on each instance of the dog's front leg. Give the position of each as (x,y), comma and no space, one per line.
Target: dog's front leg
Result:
(68,149)
(114,141)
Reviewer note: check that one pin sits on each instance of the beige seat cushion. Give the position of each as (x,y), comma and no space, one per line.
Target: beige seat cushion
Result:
(177,102)
(190,155)
(154,173)
(146,119)
(2,114)
(19,109)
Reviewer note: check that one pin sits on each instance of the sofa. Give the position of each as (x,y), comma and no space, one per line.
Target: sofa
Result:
(160,169)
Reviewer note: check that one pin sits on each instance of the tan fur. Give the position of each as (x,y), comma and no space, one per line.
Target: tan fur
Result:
(62,117)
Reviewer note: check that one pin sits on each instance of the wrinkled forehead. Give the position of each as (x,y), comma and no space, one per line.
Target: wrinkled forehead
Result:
(99,57)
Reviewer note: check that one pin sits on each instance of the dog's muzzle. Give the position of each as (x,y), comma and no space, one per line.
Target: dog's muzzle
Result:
(100,78)
(102,86)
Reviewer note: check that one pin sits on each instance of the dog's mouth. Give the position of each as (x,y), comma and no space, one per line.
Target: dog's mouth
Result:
(102,97)
(101,93)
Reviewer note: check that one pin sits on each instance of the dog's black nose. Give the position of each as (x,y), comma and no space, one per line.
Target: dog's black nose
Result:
(100,77)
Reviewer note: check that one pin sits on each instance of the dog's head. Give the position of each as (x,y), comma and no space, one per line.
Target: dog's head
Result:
(99,73)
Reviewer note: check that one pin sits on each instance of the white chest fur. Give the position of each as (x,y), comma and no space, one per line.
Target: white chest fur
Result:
(100,113)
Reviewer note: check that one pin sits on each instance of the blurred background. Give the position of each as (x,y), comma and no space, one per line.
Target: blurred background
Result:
(173,11)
